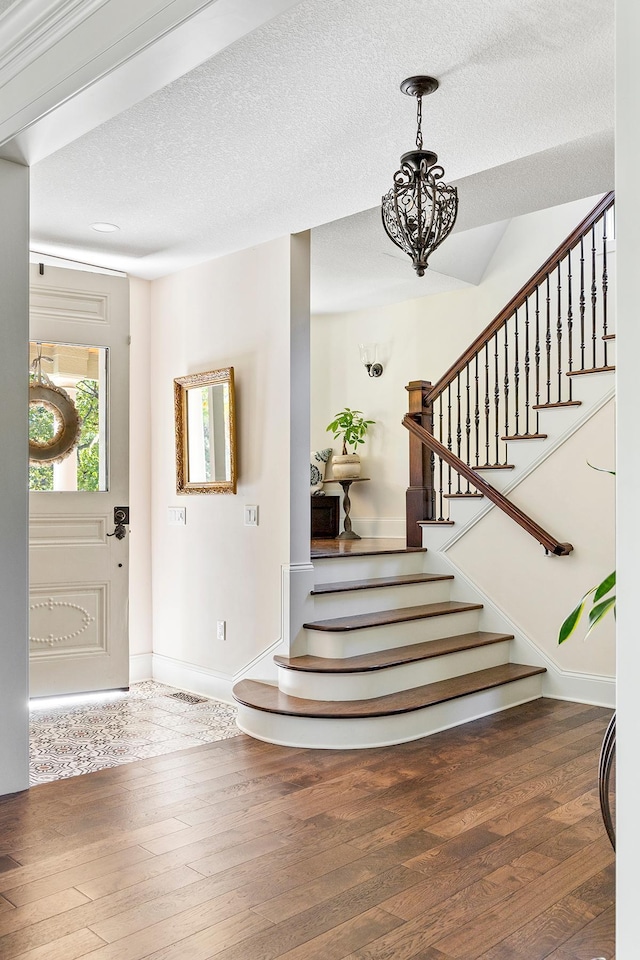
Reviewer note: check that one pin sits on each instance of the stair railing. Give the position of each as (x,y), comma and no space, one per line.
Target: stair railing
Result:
(550,544)
(556,327)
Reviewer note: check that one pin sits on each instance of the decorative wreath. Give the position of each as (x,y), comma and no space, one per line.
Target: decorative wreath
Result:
(57,448)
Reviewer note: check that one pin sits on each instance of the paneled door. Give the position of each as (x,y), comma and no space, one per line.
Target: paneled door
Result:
(78,634)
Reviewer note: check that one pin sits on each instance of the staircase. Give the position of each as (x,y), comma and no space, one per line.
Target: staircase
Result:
(390,658)
(399,648)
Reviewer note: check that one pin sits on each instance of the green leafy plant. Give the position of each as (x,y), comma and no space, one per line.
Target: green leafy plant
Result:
(351,426)
(601,602)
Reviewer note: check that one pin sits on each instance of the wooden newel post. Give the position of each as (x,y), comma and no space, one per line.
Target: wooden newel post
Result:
(420,489)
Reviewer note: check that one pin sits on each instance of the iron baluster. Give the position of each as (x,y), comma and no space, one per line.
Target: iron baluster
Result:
(506,380)
(449,440)
(487,403)
(468,421)
(516,374)
(582,304)
(548,340)
(537,356)
(477,412)
(594,294)
(559,334)
(527,366)
(570,321)
(432,492)
(496,398)
(459,427)
(605,287)
(441,481)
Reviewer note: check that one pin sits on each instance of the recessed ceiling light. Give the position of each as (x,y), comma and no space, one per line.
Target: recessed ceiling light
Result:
(105,227)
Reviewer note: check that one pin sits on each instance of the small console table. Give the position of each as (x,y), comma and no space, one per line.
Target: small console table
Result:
(347,533)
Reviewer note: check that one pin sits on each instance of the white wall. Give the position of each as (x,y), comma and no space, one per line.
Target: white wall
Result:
(234,311)
(420,339)
(628,347)
(14,323)
(575,504)
(140,636)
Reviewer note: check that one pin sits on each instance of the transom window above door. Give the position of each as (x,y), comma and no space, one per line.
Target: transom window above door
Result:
(78,376)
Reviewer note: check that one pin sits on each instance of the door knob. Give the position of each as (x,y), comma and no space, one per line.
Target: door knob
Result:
(120,518)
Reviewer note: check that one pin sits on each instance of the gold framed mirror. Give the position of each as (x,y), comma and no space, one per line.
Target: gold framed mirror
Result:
(205,432)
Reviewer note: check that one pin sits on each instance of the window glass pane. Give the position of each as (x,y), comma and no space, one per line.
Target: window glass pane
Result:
(81,372)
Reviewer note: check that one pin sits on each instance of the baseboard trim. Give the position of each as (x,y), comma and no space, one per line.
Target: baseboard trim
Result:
(140,667)
(192,678)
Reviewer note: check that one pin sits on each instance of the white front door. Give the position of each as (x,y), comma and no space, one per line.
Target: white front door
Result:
(78,635)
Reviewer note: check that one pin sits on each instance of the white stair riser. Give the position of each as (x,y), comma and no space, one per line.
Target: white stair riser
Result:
(362,568)
(378,683)
(381,598)
(351,643)
(382,731)
(463,511)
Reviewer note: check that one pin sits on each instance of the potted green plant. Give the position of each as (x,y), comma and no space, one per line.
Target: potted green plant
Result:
(351,426)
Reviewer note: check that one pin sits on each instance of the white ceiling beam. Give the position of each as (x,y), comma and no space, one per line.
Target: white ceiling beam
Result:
(69,66)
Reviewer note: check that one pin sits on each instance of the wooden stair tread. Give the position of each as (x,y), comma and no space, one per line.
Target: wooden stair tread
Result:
(609,336)
(333,549)
(268,698)
(580,373)
(560,403)
(382,618)
(345,586)
(412,653)
(435,523)
(526,436)
(463,496)
(493,466)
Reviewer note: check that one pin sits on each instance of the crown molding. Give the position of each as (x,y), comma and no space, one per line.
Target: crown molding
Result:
(66,66)
(31,28)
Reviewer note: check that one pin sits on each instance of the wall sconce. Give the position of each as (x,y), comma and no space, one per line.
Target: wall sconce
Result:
(368,353)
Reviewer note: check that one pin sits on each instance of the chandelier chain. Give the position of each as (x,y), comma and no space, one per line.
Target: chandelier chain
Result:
(419,133)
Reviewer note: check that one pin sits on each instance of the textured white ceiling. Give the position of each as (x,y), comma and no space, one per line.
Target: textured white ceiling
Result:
(302,123)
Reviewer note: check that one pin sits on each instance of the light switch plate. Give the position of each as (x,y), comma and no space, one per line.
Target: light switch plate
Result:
(250,515)
(177,515)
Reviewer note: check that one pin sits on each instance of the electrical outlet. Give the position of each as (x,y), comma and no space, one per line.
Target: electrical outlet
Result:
(250,515)
(222,630)
(177,515)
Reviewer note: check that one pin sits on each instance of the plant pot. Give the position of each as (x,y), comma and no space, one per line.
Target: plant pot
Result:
(346,466)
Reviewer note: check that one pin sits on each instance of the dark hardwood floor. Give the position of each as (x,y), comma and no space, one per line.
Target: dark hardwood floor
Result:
(480,843)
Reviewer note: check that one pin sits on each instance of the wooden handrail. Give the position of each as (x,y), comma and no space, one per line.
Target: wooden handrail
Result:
(518,300)
(548,542)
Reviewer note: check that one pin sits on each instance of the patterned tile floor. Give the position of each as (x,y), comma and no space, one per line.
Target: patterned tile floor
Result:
(82,736)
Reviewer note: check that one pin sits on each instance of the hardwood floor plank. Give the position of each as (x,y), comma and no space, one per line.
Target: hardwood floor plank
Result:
(477,841)
(227,855)
(40,910)
(76,945)
(347,936)
(89,913)
(65,853)
(74,877)
(195,934)
(313,923)
(537,938)
(597,938)
(487,930)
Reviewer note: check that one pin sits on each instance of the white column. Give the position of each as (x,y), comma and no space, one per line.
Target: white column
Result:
(299,582)
(628,472)
(14,361)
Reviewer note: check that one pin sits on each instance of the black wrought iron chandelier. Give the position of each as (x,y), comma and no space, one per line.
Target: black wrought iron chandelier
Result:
(419,211)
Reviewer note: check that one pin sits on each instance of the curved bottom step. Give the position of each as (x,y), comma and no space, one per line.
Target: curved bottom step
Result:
(267,714)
